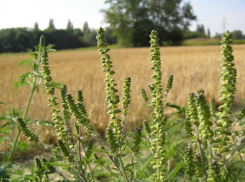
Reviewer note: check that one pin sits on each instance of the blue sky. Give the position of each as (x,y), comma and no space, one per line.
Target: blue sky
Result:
(24,13)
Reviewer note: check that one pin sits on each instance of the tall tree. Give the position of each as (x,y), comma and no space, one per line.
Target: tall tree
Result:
(131,18)
(51,24)
(69,26)
(237,34)
(208,34)
(36,27)
(89,35)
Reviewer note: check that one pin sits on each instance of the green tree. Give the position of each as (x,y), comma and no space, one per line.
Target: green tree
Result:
(208,33)
(129,18)
(201,29)
(69,26)
(36,27)
(89,35)
(237,34)
(51,24)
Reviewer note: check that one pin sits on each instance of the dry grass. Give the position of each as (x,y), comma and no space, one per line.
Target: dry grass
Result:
(192,67)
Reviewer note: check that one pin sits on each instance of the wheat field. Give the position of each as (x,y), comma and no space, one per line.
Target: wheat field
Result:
(192,67)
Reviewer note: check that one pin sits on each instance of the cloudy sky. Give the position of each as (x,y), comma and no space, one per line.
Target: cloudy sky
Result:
(214,14)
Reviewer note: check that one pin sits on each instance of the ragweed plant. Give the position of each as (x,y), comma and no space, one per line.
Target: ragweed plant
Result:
(215,143)
(34,79)
(210,150)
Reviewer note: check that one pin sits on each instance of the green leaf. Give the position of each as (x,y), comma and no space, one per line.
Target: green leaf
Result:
(127,167)
(176,169)
(117,161)
(22,81)
(146,164)
(57,85)
(42,122)
(89,151)
(3,103)
(100,150)
(28,62)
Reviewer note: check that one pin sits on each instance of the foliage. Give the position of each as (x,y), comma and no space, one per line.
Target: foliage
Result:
(23,39)
(130,18)
(202,146)
(191,35)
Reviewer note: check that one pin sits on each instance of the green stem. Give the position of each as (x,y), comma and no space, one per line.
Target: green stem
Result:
(122,168)
(25,114)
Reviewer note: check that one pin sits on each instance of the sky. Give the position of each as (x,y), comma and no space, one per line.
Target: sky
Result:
(216,15)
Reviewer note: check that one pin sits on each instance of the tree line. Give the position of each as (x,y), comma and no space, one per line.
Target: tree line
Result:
(130,23)
(23,39)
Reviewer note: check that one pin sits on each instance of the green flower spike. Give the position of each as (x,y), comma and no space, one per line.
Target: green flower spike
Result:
(60,126)
(112,98)
(113,144)
(38,166)
(192,110)
(158,131)
(80,103)
(213,172)
(76,111)
(170,83)
(203,114)
(126,95)
(144,95)
(136,141)
(189,162)
(46,69)
(212,107)
(65,151)
(28,133)
(188,128)
(147,128)
(241,115)
(228,79)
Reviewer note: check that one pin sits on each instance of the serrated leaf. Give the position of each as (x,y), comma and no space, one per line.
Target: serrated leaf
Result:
(22,81)
(26,61)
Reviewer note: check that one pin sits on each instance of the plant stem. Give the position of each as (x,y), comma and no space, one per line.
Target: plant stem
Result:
(25,114)
(122,168)
(201,152)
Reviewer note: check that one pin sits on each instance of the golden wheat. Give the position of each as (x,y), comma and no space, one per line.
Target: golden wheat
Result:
(192,67)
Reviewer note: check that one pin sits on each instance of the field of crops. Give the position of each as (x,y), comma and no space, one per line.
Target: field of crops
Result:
(192,67)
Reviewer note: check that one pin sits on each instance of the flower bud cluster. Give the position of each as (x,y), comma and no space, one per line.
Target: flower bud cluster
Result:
(65,151)
(170,83)
(144,95)
(126,95)
(147,128)
(136,141)
(189,162)
(28,133)
(228,79)
(50,90)
(158,128)
(212,107)
(213,172)
(203,113)
(77,112)
(114,129)
(188,125)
